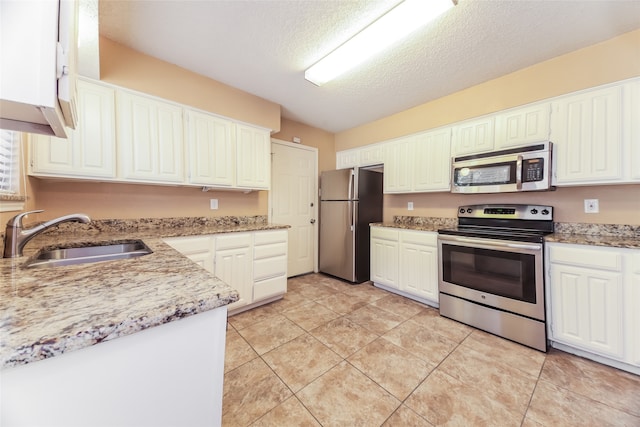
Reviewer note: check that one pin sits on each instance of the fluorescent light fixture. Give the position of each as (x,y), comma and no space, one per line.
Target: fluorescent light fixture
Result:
(386,30)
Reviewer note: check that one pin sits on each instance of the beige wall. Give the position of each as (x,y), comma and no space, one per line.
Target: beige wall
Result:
(312,137)
(128,68)
(610,61)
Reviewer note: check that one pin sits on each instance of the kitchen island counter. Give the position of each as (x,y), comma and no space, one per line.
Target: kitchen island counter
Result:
(48,311)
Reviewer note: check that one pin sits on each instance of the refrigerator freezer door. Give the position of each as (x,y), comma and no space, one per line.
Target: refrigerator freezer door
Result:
(337,185)
(337,238)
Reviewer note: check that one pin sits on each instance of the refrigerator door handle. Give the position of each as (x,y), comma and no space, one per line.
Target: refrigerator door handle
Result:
(351,188)
(350,208)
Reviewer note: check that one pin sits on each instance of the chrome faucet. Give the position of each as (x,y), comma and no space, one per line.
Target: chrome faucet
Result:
(15,237)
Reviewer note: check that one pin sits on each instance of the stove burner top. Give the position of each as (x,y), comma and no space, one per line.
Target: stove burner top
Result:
(523,223)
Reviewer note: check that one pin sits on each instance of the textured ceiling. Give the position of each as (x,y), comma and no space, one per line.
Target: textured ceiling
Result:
(264,46)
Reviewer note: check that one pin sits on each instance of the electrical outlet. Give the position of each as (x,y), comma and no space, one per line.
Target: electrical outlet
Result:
(409,206)
(213,203)
(591,206)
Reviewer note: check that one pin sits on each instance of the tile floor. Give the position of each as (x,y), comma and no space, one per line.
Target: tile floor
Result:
(334,354)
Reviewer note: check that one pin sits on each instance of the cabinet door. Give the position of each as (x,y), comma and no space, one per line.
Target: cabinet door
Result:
(150,138)
(347,159)
(384,256)
(475,136)
(253,158)
(398,166)
(89,151)
(587,309)
(234,265)
(419,264)
(198,249)
(432,161)
(632,128)
(633,310)
(587,133)
(211,150)
(372,155)
(523,126)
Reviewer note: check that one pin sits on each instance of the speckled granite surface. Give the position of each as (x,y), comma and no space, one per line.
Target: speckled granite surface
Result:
(611,235)
(45,312)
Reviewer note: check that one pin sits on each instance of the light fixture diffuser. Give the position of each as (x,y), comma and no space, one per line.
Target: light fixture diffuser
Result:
(386,30)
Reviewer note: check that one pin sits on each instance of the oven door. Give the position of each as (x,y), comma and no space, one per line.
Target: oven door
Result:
(502,274)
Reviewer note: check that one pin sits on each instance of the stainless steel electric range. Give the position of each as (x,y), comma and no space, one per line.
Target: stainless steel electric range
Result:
(491,273)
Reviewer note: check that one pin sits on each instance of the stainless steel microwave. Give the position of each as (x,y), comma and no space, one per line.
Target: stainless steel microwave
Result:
(507,171)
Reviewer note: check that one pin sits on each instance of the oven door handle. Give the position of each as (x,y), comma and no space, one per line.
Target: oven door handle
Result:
(533,247)
(519,173)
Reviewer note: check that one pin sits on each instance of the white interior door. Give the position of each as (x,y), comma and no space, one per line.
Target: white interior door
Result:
(294,201)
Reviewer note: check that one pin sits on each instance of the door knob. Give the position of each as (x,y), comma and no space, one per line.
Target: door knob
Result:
(312,221)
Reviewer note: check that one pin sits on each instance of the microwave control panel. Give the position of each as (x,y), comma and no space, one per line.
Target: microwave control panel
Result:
(532,170)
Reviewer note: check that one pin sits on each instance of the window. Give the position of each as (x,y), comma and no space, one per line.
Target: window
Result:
(11,197)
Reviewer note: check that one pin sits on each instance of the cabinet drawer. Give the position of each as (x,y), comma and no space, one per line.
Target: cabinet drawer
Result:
(601,258)
(269,267)
(270,287)
(384,233)
(268,237)
(233,240)
(269,251)
(191,244)
(635,262)
(420,237)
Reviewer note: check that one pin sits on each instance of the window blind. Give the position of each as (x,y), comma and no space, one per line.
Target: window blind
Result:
(9,162)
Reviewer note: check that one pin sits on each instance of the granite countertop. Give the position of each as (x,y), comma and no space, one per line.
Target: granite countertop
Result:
(45,312)
(608,235)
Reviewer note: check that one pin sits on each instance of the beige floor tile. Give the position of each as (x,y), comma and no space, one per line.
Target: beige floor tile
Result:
(301,361)
(443,400)
(342,303)
(602,383)
(237,351)
(250,317)
(251,391)
(509,353)
(375,319)
(336,285)
(346,397)
(405,417)
(343,336)
(392,367)
(316,291)
(498,381)
(421,342)
(310,315)
(289,301)
(431,319)
(366,291)
(400,305)
(553,406)
(270,333)
(290,413)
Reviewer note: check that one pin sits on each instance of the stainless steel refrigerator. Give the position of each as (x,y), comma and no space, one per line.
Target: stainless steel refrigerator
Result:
(350,199)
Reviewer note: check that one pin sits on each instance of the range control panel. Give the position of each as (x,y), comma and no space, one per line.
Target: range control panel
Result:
(526,212)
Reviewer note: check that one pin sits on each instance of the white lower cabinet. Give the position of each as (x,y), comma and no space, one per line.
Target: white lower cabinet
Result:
(405,262)
(632,310)
(254,263)
(384,256)
(590,301)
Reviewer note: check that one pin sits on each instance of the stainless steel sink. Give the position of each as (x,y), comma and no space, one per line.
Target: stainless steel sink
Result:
(52,257)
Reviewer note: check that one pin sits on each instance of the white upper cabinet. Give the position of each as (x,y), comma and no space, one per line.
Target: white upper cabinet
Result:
(522,126)
(90,149)
(211,150)
(347,159)
(473,136)
(631,123)
(253,147)
(150,139)
(587,132)
(432,167)
(372,155)
(398,165)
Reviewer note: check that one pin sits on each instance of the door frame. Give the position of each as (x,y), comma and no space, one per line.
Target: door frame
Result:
(316,201)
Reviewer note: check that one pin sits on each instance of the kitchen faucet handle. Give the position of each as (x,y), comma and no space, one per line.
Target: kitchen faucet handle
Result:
(16,221)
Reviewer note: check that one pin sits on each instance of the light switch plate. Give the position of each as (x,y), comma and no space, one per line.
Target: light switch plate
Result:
(410,206)
(213,204)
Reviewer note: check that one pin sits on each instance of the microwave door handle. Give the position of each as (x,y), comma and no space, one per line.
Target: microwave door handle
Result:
(519,173)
